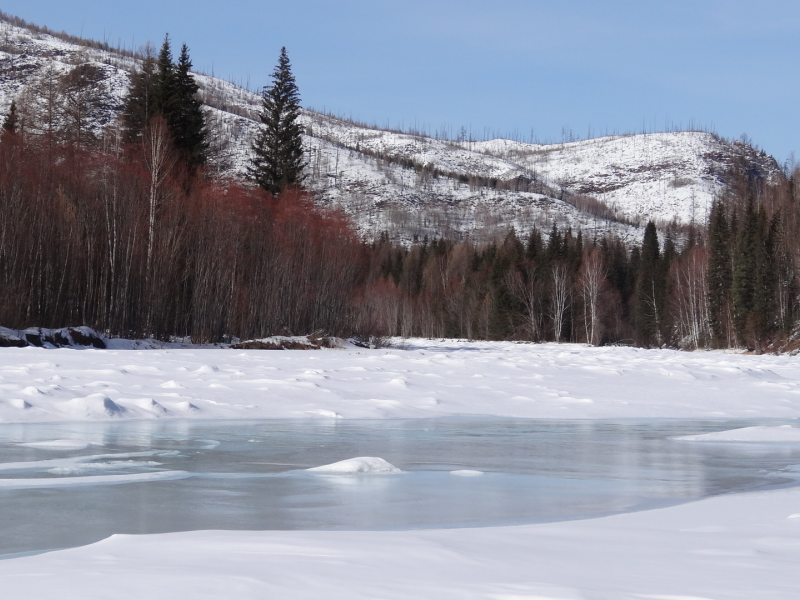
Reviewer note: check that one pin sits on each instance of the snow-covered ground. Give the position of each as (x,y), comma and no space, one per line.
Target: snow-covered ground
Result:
(423,379)
(733,547)
(736,547)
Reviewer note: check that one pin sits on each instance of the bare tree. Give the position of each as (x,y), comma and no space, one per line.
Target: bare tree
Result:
(526,289)
(159,159)
(590,282)
(561,296)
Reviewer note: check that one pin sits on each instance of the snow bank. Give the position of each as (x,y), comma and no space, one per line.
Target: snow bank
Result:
(423,379)
(730,547)
(362,464)
(781,433)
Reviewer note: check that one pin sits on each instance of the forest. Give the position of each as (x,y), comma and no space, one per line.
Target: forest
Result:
(128,232)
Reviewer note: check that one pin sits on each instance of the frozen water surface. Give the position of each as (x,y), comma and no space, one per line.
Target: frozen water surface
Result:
(68,484)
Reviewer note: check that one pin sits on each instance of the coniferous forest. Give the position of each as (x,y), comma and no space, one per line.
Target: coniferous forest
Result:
(128,233)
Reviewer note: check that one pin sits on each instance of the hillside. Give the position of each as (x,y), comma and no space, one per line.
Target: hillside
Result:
(414,185)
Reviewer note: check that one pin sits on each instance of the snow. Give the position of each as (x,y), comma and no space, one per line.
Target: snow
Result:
(732,547)
(421,378)
(360,465)
(760,433)
(724,548)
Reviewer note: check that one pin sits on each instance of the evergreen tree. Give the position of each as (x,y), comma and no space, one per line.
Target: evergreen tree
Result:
(650,291)
(719,272)
(140,103)
(278,148)
(162,88)
(11,120)
(745,272)
(186,120)
(165,94)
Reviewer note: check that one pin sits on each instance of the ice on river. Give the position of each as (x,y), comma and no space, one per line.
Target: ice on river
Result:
(421,378)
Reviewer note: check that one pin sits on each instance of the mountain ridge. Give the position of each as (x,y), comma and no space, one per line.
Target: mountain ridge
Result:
(412,185)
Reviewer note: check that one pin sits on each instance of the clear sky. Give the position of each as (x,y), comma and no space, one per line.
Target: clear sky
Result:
(505,67)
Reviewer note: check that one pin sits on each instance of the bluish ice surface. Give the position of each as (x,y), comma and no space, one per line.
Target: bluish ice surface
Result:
(250,474)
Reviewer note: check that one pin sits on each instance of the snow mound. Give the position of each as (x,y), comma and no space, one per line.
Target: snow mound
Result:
(761,433)
(466,473)
(362,464)
(92,407)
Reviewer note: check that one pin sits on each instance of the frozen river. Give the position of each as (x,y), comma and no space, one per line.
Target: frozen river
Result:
(69,484)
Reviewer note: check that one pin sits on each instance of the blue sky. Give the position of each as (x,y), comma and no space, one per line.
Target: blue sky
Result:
(505,67)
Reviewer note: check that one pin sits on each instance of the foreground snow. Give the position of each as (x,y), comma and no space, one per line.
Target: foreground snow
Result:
(425,379)
(734,547)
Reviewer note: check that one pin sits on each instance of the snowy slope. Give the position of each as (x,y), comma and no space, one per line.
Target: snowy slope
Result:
(413,185)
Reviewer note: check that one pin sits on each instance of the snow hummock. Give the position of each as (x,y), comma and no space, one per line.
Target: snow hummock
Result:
(759,433)
(359,465)
(466,473)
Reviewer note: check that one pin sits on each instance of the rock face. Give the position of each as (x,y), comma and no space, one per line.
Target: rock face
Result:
(66,337)
(414,185)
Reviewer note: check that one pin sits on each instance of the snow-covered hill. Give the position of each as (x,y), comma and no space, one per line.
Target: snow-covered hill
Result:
(414,185)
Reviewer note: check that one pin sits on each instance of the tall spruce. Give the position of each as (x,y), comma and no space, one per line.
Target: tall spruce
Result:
(278,148)
(650,291)
(140,103)
(745,273)
(186,119)
(719,273)
(165,77)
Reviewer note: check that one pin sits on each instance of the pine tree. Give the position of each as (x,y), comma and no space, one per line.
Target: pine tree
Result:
(278,148)
(650,290)
(140,103)
(745,271)
(186,120)
(719,272)
(10,122)
(165,82)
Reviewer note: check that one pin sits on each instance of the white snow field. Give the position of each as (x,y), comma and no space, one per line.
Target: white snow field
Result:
(425,379)
(730,547)
(735,547)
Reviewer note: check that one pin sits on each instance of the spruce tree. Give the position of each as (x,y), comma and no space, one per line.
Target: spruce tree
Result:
(719,272)
(278,148)
(140,103)
(745,272)
(10,122)
(186,120)
(650,291)
(165,82)
(162,88)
